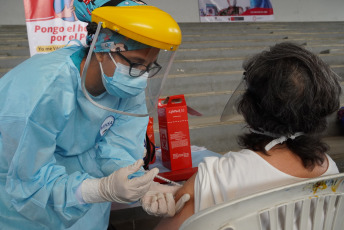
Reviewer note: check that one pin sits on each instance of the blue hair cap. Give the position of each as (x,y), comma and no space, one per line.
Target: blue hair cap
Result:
(84,8)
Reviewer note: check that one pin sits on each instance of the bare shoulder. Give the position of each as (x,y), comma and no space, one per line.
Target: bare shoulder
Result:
(187,211)
(188,187)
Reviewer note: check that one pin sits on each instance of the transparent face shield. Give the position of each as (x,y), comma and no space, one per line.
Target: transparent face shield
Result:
(144,69)
(230,112)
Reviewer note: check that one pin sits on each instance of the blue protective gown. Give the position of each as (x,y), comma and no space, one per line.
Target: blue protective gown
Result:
(52,138)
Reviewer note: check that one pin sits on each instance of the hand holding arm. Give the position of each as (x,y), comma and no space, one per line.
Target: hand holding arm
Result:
(188,210)
(117,187)
(160,200)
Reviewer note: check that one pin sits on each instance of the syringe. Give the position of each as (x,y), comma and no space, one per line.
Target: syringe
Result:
(167,180)
(163,179)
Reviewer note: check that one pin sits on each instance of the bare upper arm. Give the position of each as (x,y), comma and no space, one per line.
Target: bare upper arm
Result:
(187,211)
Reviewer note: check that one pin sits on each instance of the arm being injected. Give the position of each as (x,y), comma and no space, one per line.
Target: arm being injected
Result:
(160,199)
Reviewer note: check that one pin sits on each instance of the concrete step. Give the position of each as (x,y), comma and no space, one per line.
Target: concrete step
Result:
(255,42)
(200,65)
(212,103)
(3,72)
(245,51)
(10,29)
(9,62)
(14,47)
(245,29)
(14,51)
(336,152)
(209,103)
(202,82)
(333,50)
(338,69)
(20,42)
(262,36)
(18,33)
(209,82)
(261,26)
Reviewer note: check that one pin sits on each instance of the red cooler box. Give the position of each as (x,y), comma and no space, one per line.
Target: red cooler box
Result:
(174,133)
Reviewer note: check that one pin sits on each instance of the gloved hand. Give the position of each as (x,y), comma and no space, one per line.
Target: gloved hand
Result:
(159,200)
(117,187)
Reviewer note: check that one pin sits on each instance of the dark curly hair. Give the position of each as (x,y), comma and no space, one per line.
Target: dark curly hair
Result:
(289,90)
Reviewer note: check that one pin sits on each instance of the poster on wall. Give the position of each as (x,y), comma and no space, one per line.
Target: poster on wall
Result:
(51,24)
(235,10)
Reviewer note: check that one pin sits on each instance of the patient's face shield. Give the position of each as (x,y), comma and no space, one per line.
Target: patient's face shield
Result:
(137,46)
(230,112)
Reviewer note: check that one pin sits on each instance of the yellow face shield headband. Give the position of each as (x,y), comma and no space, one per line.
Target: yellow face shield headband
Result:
(146,24)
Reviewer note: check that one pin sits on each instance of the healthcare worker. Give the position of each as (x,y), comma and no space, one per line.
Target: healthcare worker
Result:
(73,122)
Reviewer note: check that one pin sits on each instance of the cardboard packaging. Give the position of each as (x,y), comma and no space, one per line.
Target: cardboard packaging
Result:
(174,133)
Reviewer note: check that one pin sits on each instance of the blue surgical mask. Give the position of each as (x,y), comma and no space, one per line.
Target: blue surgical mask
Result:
(121,84)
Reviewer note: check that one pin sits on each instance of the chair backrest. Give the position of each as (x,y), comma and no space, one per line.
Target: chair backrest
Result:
(316,204)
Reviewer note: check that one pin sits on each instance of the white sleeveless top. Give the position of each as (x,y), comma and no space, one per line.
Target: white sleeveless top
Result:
(239,174)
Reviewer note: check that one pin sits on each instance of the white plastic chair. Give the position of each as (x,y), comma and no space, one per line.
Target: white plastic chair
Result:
(316,204)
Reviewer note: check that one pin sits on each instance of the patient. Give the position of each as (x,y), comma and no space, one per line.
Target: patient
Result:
(289,93)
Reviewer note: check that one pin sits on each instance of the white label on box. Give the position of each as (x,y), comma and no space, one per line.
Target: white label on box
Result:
(163,139)
(179,155)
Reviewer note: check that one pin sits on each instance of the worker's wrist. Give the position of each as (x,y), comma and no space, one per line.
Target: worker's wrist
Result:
(90,191)
(107,190)
(78,195)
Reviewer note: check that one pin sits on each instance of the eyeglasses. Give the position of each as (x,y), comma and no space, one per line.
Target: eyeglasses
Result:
(138,69)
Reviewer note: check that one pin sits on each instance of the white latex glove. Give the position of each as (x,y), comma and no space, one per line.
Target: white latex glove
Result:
(117,187)
(159,200)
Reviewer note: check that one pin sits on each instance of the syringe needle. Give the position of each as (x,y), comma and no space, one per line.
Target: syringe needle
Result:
(167,180)
(164,179)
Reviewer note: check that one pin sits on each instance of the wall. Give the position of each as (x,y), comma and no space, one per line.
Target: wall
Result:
(12,12)
(284,10)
